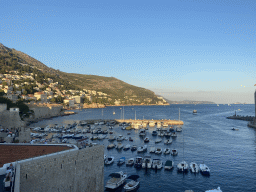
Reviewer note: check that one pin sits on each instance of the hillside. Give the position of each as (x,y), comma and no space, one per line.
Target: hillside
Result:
(13,60)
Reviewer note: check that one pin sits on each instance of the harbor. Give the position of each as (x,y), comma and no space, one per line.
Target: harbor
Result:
(201,138)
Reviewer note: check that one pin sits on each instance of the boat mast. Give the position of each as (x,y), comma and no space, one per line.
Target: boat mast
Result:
(135,115)
(179,114)
(123,112)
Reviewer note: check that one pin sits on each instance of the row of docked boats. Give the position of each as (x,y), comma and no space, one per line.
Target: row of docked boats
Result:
(147,162)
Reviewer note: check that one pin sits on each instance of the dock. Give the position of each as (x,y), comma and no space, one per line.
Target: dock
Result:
(152,121)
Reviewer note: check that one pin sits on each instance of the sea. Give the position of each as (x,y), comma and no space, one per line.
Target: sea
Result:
(206,137)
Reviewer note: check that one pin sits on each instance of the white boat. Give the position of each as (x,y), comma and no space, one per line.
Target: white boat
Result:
(133,184)
(127,147)
(194,111)
(161,134)
(174,152)
(142,149)
(178,129)
(147,162)
(119,146)
(154,133)
(100,137)
(174,134)
(158,140)
(152,150)
(134,148)
(168,164)
(120,138)
(165,124)
(182,166)
(214,190)
(130,162)
(142,132)
(157,164)
(168,141)
(146,140)
(204,169)
(117,179)
(112,138)
(109,160)
(167,134)
(194,167)
(121,161)
(138,162)
(158,150)
(167,151)
(111,146)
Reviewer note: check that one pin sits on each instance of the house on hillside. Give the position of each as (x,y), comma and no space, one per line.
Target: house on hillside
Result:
(41,95)
(70,102)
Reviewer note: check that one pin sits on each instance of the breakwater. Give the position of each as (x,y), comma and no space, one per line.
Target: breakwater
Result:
(239,117)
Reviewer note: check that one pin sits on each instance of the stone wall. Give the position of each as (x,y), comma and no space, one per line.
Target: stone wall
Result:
(46,112)
(10,119)
(3,107)
(74,171)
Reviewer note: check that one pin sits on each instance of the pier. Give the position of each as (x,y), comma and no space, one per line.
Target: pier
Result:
(152,121)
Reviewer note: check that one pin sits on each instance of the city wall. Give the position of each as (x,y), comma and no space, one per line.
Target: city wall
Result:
(74,171)
(46,112)
(10,119)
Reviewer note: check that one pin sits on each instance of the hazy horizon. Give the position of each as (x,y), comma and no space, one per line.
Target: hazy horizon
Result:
(181,50)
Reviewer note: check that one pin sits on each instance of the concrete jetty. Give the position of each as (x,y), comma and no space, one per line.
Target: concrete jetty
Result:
(152,121)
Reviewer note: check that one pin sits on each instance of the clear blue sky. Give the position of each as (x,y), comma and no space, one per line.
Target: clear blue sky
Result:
(189,49)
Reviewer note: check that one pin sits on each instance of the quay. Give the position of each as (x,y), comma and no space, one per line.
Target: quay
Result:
(152,121)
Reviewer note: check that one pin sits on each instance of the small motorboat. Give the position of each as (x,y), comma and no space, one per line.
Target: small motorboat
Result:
(130,162)
(204,169)
(142,132)
(167,151)
(133,184)
(147,162)
(161,134)
(138,162)
(168,141)
(120,138)
(142,149)
(234,129)
(154,133)
(121,161)
(173,134)
(129,133)
(119,146)
(130,139)
(194,167)
(112,138)
(158,150)
(158,140)
(174,152)
(182,166)
(134,148)
(178,129)
(109,160)
(146,140)
(194,111)
(167,134)
(117,179)
(111,146)
(157,164)
(168,165)
(152,150)
(127,147)
(214,190)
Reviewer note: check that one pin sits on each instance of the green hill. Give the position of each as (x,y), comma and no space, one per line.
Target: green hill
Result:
(11,59)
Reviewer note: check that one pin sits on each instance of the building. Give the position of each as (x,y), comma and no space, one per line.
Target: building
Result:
(69,102)
(41,95)
(54,168)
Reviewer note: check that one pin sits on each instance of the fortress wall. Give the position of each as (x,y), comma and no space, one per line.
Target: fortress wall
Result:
(79,170)
(45,112)
(11,119)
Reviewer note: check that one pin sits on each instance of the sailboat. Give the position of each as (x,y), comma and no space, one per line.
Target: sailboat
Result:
(183,166)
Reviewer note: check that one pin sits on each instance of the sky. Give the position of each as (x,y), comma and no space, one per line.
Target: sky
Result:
(203,50)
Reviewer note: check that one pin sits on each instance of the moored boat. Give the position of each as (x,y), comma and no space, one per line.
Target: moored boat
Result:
(130,162)
(168,141)
(146,140)
(154,133)
(158,150)
(138,162)
(117,179)
(168,165)
(127,147)
(194,167)
(174,152)
(121,161)
(157,164)
(119,146)
(182,166)
(133,184)
(147,162)
(111,146)
(152,150)
(214,190)
(109,160)
(158,140)
(134,148)
(167,151)
(204,169)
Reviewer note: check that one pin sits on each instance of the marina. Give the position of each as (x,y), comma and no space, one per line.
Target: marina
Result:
(204,135)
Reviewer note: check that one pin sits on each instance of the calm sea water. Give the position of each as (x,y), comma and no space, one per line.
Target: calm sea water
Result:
(207,136)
